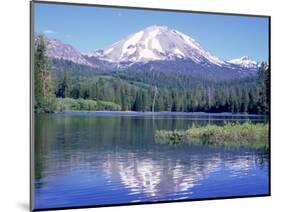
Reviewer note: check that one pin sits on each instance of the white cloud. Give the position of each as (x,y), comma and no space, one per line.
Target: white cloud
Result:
(49,31)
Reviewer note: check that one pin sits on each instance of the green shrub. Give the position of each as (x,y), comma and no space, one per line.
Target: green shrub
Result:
(45,104)
(69,104)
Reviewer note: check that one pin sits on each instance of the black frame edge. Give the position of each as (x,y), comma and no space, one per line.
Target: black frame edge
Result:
(31,118)
(153,203)
(269,130)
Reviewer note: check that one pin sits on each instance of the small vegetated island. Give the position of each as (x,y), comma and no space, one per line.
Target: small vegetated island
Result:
(229,135)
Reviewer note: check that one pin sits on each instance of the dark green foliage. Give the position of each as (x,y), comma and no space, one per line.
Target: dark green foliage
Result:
(264,91)
(45,104)
(134,90)
(64,87)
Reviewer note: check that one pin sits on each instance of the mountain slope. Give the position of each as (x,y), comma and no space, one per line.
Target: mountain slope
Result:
(60,50)
(156,43)
(161,48)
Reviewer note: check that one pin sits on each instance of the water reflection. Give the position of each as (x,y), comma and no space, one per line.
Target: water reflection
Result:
(88,160)
(154,179)
(157,178)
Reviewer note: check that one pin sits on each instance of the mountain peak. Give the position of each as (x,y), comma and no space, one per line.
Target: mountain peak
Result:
(245,58)
(245,62)
(156,43)
(153,27)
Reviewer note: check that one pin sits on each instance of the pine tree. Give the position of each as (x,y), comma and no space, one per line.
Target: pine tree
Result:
(44,84)
(264,88)
(64,87)
(42,69)
(245,101)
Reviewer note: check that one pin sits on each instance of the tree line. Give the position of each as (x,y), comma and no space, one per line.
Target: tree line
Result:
(133,91)
(212,98)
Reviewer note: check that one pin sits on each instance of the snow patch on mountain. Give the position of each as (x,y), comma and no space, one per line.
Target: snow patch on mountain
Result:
(245,62)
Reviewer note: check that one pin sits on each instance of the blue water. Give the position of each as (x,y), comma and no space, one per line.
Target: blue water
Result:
(103,158)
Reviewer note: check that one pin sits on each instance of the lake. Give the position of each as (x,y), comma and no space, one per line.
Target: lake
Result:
(99,158)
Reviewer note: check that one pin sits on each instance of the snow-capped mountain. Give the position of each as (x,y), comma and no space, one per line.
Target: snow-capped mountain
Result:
(244,62)
(156,43)
(59,50)
(157,48)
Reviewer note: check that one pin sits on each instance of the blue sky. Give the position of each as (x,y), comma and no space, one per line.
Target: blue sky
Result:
(89,28)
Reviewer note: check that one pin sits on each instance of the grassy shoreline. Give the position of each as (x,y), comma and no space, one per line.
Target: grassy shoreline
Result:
(229,135)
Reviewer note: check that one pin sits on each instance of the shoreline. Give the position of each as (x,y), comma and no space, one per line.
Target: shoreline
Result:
(164,113)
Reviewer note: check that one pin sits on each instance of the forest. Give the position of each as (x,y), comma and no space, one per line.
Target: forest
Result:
(61,85)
